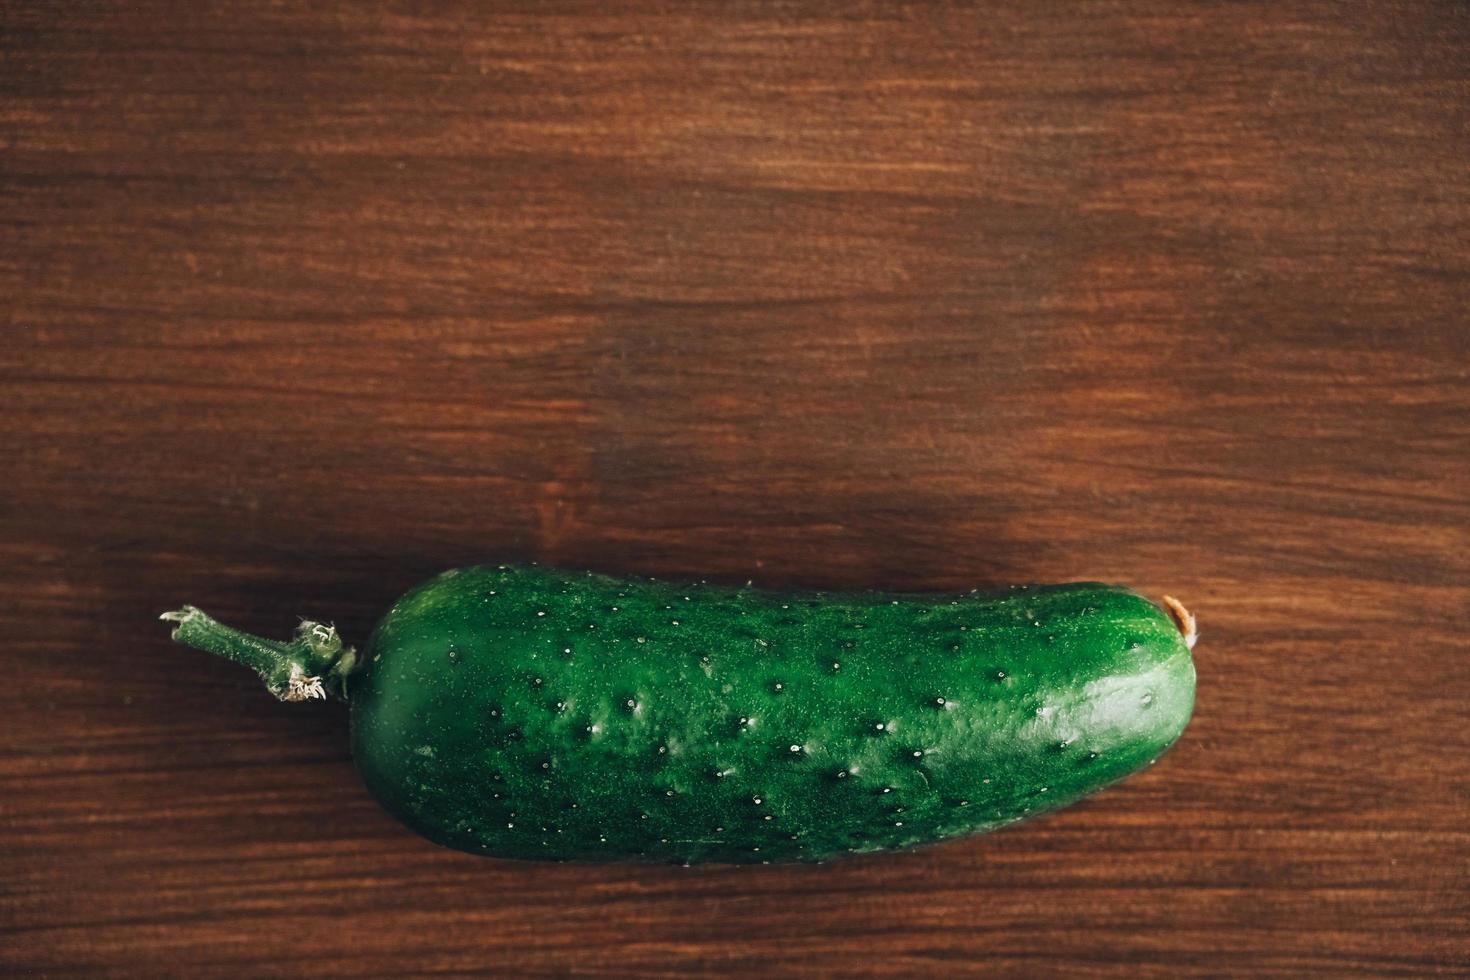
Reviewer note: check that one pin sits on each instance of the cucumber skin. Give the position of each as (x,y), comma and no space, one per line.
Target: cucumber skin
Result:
(523,712)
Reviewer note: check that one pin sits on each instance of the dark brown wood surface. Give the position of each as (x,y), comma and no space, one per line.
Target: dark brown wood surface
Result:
(303,303)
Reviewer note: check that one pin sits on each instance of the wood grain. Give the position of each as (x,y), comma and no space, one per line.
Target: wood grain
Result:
(303,303)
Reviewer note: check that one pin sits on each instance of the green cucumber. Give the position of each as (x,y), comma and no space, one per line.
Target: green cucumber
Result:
(524,712)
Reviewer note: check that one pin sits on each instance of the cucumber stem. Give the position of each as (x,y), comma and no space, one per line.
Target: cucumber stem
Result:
(309,666)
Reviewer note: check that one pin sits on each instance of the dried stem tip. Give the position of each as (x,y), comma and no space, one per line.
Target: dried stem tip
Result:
(1184,619)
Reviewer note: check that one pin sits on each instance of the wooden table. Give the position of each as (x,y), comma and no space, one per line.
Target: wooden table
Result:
(303,303)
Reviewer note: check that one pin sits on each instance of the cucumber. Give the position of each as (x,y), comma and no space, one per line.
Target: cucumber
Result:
(525,712)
